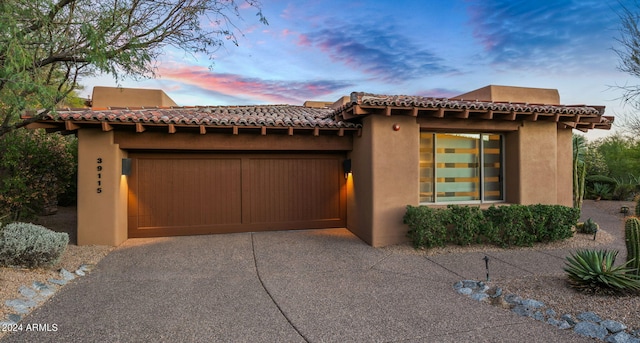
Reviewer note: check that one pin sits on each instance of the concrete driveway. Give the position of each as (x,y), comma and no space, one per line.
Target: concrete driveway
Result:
(294,286)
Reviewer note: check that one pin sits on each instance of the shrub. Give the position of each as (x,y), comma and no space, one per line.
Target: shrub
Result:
(588,227)
(31,246)
(426,226)
(593,271)
(515,225)
(35,167)
(465,224)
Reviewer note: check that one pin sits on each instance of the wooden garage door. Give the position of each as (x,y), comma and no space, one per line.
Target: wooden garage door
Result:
(186,194)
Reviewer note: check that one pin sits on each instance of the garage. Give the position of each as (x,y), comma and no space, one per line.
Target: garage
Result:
(201,193)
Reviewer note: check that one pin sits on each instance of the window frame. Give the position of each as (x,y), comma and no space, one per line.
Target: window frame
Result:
(481,176)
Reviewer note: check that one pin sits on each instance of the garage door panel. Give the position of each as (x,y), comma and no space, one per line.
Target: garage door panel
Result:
(180,195)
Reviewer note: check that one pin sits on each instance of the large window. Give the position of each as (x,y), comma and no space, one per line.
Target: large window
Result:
(460,167)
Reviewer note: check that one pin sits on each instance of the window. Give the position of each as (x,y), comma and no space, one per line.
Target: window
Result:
(461,167)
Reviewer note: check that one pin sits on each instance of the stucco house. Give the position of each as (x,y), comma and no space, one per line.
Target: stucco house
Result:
(354,163)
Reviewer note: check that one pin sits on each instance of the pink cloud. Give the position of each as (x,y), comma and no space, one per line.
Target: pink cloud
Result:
(268,91)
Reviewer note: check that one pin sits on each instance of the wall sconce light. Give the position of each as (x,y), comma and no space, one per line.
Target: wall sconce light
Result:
(126,166)
(346,166)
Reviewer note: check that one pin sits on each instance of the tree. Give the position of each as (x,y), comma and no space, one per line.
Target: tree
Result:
(629,61)
(47,46)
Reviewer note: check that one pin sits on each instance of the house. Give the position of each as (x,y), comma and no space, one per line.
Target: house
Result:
(354,163)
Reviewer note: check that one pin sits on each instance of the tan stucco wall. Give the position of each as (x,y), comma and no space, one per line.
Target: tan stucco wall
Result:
(386,178)
(129,97)
(538,158)
(102,217)
(513,94)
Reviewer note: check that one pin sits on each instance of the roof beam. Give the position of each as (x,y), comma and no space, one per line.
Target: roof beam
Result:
(139,127)
(263,130)
(172,128)
(106,126)
(69,126)
(440,113)
(235,130)
(290,131)
(487,115)
(414,112)
(341,132)
(203,130)
(316,131)
(387,111)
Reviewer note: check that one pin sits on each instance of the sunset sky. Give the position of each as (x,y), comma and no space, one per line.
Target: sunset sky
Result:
(322,50)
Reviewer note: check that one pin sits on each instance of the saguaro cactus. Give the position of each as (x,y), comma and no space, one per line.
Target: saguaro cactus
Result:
(632,238)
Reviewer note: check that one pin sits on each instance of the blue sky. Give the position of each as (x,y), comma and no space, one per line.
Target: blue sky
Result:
(322,50)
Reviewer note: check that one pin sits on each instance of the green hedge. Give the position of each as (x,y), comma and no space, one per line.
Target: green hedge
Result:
(505,226)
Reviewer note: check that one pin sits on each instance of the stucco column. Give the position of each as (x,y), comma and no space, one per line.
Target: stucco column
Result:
(538,158)
(102,190)
(385,178)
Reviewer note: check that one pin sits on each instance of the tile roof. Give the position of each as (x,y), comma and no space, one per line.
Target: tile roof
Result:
(263,115)
(359,98)
(342,115)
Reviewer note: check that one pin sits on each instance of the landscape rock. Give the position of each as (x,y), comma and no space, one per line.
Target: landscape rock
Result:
(522,311)
(589,316)
(66,275)
(458,285)
(622,337)
(12,317)
(470,284)
(550,313)
(27,292)
(58,282)
(479,296)
(465,290)
(532,303)
(569,319)
(592,330)
(80,272)
(513,299)
(613,326)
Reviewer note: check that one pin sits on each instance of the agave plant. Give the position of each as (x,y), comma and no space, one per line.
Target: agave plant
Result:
(593,271)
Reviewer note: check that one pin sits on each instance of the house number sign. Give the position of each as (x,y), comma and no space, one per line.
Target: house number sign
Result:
(99,170)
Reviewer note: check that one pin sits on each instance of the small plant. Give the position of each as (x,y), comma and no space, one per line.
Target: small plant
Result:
(593,271)
(601,191)
(632,240)
(31,246)
(589,227)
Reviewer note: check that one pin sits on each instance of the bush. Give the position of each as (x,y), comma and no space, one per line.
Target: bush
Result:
(593,271)
(588,227)
(426,226)
(515,225)
(35,167)
(465,224)
(31,246)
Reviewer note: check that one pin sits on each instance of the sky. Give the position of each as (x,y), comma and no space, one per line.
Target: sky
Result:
(323,50)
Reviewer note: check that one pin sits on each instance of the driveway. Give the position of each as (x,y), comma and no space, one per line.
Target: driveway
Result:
(293,286)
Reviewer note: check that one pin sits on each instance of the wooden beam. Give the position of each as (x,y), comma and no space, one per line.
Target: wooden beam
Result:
(357,110)
(37,125)
(235,130)
(139,127)
(290,131)
(69,126)
(172,128)
(203,130)
(556,117)
(316,131)
(488,115)
(341,132)
(414,112)
(106,126)
(387,111)
(512,116)
(263,130)
(463,115)
(440,113)
(532,116)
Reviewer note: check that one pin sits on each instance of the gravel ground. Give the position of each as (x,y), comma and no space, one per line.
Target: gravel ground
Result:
(64,221)
(550,289)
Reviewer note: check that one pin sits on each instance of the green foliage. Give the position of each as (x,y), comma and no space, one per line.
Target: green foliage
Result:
(593,271)
(632,240)
(35,167)
(603,179)
(637,209)
(601,190)
(579,169)
(47,46)
(426,226)
(465,224)
(588,227)
(515,225)
(621,154)
(31,246)
(626,187)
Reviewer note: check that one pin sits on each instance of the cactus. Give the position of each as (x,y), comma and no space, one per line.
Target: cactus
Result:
(632,239)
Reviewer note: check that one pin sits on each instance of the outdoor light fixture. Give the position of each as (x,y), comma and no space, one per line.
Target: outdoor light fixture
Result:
(126,166)
(346,165)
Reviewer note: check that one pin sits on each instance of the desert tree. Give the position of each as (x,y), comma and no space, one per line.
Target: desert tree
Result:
(47,46)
